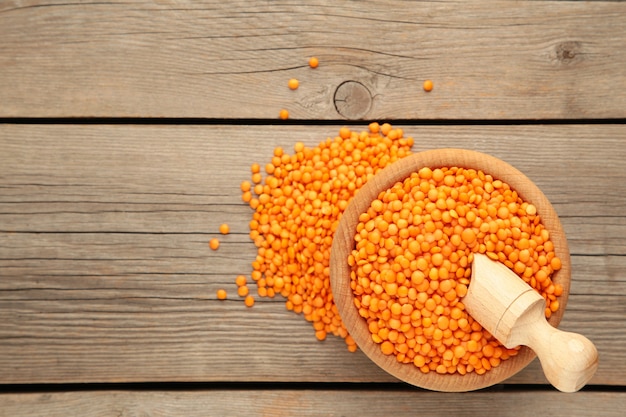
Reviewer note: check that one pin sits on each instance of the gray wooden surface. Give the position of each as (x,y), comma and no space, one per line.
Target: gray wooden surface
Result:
(313,403)
(105,272)
(232,59)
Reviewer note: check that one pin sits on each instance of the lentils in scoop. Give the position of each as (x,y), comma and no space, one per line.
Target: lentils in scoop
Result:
(411,265)
(296,212)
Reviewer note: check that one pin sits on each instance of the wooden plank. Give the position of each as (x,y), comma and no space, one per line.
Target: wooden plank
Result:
(170,328)
(215,59)
(105,273)
(194,170)
(61,254)
(362,403)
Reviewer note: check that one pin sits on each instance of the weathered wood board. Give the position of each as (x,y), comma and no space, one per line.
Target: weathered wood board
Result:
(106,276)
(232,60)
(308,402)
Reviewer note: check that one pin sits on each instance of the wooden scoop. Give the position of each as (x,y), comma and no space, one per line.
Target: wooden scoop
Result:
(513,312)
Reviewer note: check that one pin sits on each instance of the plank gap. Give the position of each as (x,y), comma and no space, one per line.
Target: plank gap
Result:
(267,386)
(270,122)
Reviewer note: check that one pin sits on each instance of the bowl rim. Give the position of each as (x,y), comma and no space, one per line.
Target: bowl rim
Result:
(344,238)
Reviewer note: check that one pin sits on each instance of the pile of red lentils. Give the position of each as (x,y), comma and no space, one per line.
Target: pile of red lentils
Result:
(297,206)
(413,246)
(411,265)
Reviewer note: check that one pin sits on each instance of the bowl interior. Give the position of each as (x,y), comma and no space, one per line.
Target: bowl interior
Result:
(343,244)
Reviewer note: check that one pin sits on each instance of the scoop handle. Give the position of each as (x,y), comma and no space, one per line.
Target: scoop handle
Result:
(514,313)
(569,360)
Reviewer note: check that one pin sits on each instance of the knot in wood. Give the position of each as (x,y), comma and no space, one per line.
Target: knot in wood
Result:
(566,52)
(352,100)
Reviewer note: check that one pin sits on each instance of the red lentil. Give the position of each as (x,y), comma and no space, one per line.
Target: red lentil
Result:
(293,84)
(241,280)
(249,301)
(243,291)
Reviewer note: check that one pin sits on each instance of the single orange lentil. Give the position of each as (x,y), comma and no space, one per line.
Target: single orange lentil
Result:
(243,291)
(555,263)
(224,228)
(387,348)
(558,290)
(428,85)
(313,62)
(293,83)
(214,243)
(283,114)
(221,294)
(459,351)
(385,128)
(249,301)
(240,280)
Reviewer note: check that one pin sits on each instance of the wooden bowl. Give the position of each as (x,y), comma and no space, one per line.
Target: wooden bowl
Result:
(343,244)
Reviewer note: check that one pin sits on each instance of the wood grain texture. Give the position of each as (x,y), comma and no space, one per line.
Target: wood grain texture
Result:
(106,276)
(347,403)
(216,59)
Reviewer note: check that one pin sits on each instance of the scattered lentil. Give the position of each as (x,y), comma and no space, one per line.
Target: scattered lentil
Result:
(284,114)
(411,265)
(214,243)
(221,294)
(293,84)
(241,280)
(313,62)
(243,291)
(297,209)
(224,228)
(428,85)
(249,301)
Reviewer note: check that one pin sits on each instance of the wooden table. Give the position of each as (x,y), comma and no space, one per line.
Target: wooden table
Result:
(127,128)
